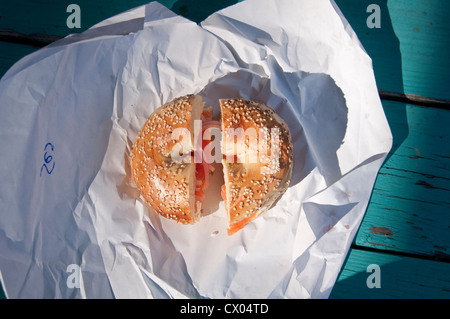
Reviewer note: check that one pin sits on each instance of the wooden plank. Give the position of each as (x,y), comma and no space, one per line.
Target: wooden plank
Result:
(49,16)
(409,210)
(410,49)
(11,53)
(423,30)
(399,277)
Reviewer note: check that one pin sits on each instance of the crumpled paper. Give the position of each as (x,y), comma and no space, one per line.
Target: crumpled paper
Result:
(72,223)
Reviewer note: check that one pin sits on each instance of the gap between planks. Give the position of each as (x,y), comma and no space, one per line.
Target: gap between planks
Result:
(414,99)
(437,257)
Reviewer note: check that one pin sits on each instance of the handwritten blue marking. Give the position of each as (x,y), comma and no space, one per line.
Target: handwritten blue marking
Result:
(48,159)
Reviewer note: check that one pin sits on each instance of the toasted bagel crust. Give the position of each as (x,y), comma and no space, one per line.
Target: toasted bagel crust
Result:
(253,186)
(162,182)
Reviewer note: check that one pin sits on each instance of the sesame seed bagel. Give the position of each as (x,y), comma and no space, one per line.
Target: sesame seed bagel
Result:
(168,185)
(257,159)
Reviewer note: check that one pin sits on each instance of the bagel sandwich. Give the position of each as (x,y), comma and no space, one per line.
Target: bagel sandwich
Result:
(171,159)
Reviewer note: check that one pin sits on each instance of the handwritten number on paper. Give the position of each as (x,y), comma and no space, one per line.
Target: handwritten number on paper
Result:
(49,163)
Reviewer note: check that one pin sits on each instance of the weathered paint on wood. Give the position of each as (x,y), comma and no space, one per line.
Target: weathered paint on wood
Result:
(409,210)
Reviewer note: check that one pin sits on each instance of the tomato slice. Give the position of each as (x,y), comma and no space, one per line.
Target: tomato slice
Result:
(207,114)
(199,176)
(199,171)
(223,192)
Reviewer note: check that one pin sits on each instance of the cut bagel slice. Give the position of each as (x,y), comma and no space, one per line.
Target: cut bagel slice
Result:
(257,159)
(162,160)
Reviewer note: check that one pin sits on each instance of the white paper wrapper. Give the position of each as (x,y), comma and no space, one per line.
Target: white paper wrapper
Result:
(70,112)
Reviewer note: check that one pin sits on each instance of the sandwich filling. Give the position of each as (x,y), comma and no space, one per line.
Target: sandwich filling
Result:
(205,167)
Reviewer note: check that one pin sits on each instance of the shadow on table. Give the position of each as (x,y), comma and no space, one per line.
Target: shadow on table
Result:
(2,293)
(383,46)
(403,277)
(198,11)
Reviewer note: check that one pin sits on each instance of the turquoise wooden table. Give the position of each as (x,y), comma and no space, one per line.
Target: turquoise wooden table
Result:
(402,249)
